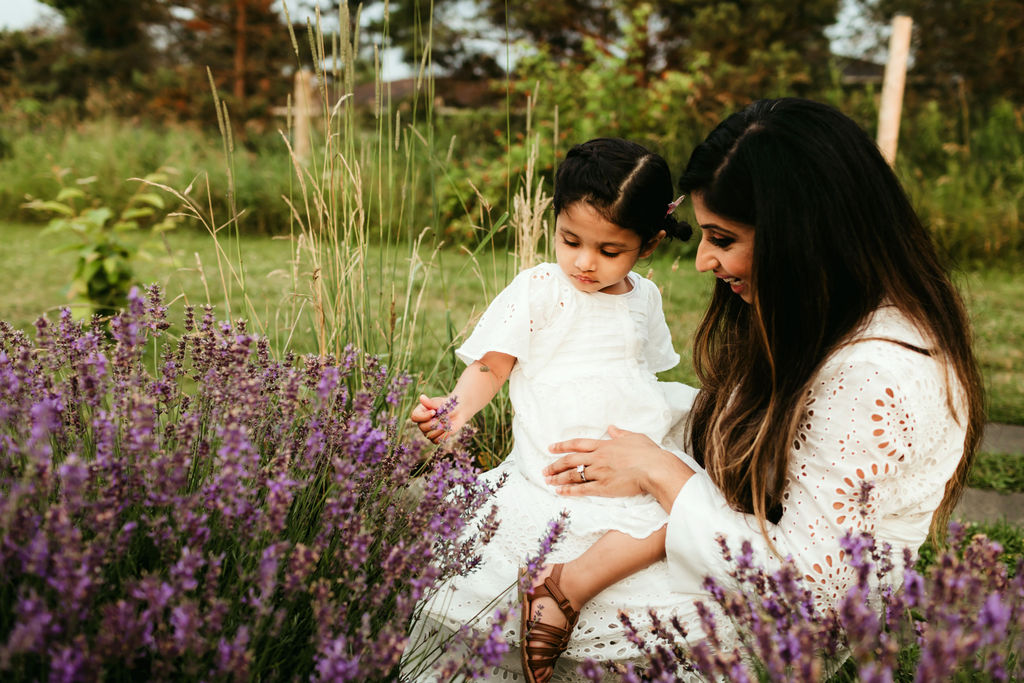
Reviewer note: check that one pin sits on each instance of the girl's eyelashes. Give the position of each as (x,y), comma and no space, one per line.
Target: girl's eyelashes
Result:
(573,245)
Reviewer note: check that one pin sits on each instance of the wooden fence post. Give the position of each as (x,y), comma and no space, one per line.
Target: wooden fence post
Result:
(303,111)
(892,87)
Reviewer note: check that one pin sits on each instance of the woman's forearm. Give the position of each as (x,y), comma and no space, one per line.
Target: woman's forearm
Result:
(665,478)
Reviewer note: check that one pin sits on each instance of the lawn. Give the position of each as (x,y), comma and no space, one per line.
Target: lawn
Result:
(454,289)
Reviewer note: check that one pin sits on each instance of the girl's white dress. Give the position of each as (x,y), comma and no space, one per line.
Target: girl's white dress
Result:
(584,361)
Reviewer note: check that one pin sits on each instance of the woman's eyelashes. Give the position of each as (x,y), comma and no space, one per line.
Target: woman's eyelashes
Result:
(720,241)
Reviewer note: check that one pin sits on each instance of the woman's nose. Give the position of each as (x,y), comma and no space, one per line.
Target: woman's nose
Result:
(705,259)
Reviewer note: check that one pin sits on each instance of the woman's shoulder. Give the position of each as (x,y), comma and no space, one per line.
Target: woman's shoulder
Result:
(887,347)
(886,336)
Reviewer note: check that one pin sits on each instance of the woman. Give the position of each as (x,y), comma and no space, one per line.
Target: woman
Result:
(835,352)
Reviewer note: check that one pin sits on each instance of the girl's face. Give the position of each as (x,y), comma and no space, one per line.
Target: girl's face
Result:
(726,249)
(595,253)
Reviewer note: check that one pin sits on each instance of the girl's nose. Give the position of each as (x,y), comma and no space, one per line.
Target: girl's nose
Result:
(705,259)
(584,260)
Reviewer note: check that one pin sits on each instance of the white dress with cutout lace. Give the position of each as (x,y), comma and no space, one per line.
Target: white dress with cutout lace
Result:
(879,411)
(584,361)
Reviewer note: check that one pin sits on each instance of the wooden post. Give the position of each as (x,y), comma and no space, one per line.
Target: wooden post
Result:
(302,108)
(892,87)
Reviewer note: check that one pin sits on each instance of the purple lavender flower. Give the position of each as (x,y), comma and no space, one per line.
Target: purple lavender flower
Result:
(217,513)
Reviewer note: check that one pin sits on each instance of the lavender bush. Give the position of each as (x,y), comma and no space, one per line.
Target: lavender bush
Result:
(193,508)
(961,618)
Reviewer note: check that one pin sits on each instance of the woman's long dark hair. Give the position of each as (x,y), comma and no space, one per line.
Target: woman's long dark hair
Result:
(835,237)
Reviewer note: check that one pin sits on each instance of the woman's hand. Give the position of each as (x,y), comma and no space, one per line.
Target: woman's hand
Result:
(628,464)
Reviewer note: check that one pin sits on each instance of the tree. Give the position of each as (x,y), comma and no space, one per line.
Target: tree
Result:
(763,39)
(977,41)
(245,43)
(116,33)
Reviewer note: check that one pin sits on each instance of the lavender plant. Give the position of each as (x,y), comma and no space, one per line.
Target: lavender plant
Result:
(191,508)
(961,618)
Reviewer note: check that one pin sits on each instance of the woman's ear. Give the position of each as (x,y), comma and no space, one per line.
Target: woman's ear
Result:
(648,248)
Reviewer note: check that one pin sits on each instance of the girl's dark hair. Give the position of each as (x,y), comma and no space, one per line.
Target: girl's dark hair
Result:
(627,184)
(835,237)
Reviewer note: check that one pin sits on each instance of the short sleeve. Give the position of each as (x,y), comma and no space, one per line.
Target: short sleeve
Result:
(518,311)
(659,352)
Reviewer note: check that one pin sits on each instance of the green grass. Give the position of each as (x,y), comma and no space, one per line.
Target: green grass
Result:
(998,472)
(456,289)
(995,299)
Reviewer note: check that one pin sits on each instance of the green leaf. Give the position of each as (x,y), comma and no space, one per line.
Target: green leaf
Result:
(150,198)
(50,205)
(112,267)
(89,269)
(165,225)
(72,246)
(70,193)
(56,225)
(138,212)
(125,226)
(98,216)
(487,239)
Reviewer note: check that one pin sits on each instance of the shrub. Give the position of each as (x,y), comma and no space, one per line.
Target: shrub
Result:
(960,617)
(204,511)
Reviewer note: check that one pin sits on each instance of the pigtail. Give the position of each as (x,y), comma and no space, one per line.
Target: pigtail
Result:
(674,229)
(627,184)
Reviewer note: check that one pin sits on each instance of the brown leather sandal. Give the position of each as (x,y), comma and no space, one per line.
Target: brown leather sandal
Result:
(552,640)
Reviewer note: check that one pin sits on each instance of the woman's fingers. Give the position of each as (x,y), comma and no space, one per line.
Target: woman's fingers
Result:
(588,489)
(574,446)
(565,464)
(567,475)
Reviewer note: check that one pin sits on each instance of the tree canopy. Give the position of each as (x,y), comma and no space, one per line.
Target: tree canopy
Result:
(977,43)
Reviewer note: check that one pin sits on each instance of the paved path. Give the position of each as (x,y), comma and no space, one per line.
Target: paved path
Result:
(978,505)
(1000,438)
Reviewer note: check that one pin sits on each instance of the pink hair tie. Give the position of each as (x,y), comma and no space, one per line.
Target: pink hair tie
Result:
(672,206)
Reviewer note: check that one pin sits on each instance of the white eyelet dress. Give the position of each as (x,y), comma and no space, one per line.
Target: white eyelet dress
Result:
(584,361)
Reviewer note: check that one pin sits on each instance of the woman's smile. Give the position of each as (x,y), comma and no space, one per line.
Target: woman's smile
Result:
(726,249)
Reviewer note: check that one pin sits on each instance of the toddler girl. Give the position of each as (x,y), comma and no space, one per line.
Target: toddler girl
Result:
(579,342)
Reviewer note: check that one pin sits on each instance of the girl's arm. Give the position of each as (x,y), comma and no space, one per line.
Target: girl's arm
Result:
(477,385)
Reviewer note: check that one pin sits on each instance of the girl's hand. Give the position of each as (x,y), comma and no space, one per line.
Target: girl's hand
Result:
(423,416)
(628,464)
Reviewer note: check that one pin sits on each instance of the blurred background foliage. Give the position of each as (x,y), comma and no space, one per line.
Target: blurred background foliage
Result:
(121,88)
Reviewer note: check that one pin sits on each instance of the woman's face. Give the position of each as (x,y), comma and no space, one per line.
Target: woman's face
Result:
(726,249)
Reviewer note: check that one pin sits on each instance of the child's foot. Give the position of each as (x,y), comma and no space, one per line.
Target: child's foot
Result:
(548,618)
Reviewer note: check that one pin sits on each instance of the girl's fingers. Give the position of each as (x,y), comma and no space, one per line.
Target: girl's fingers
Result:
(421,415)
